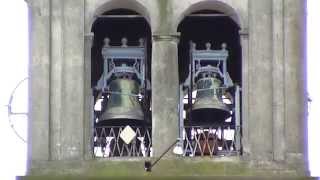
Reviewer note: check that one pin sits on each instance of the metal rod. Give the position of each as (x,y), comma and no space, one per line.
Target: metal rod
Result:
(237,118)
(181,108)
(19,113)
(157,160)
(190,88)
(165,152)
(125,94)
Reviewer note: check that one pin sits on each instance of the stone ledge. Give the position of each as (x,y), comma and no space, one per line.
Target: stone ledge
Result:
(167,167)
(163,177)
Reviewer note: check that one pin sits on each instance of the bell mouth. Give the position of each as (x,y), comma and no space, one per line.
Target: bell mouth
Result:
(209,116)
(120,117)
(131,115)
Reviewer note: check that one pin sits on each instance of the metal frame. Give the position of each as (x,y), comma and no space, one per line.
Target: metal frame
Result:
(120,61)
(219,57)
(115,54)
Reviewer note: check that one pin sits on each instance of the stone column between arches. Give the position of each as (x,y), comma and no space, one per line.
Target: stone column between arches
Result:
(165,93)
(244,40)
(88,99)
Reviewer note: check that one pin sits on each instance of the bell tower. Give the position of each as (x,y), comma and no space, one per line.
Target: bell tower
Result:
(113,83)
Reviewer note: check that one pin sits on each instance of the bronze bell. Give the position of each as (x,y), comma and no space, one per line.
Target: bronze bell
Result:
(209,107)
(122,107)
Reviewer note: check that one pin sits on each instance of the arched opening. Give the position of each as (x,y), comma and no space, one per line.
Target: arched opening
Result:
(116,24)
(120,80)
(210,75)
(210,26)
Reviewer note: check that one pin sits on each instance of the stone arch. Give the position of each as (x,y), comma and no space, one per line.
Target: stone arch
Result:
(102,7)
(133,5)
(115,29)
(215,5)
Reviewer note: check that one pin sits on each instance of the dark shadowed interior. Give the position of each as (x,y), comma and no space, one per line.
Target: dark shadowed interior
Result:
(116,28)
(210,26)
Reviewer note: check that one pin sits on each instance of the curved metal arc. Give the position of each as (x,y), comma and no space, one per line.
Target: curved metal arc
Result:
(10,113)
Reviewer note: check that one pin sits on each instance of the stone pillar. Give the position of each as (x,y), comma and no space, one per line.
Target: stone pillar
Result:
(295,80)
(165,92)
(278,81)
(39,82)
(88,98)
(245,90)
(56,80)
(260,80)
(56,76)
(72,85)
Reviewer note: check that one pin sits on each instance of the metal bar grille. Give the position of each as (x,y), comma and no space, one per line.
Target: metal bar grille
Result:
(210,141)
(108,143)
(197,141)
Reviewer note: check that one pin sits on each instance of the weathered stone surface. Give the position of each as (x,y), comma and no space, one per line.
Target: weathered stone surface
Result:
(72,91)
(278,124)
(39,87)
(165,99)
(295,77)
(260,79)
(177,167)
